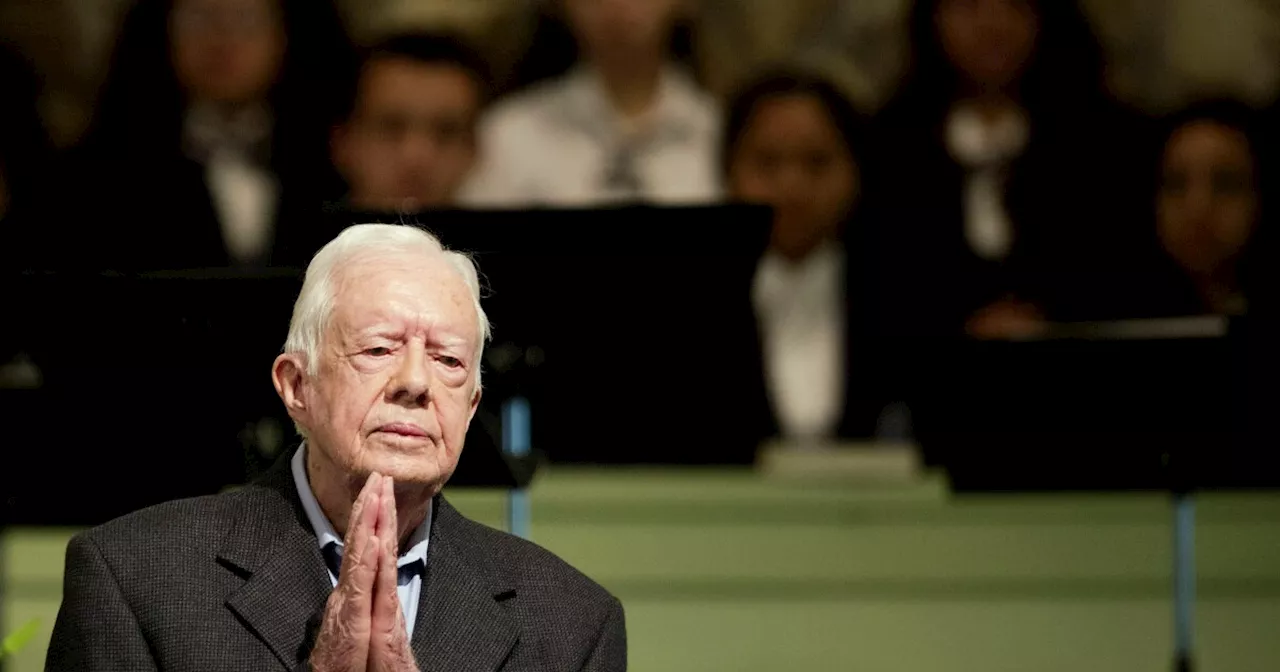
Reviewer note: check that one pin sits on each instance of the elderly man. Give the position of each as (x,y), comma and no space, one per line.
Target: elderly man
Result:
(345,557)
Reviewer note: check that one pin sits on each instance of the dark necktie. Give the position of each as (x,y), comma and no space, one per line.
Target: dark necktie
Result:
(622,173)
(333,558)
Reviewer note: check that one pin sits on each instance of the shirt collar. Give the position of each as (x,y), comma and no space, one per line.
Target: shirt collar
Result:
(783,285)
(208,131)
(975,143)
(325,534)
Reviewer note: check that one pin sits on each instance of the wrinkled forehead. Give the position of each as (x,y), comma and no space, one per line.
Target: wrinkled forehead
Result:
(380,288)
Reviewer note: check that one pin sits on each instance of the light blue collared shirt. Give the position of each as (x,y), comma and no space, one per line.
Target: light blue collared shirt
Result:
(410,578)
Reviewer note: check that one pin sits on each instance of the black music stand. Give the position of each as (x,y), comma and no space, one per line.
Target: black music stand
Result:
(1154,406)
(211,334)
(215,332)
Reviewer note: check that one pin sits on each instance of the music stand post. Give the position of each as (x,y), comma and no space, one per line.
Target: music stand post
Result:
(1184,579)
(516,442)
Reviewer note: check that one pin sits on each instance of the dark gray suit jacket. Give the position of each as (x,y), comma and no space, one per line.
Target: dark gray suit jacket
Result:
(237,582)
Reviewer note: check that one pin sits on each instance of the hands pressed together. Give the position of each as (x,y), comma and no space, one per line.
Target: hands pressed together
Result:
(363,627)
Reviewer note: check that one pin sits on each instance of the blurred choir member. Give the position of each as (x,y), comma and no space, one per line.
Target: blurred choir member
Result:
(1007,180)
(1209,204)
(794,142)
(408,140)
(209,146)
(624,123)
(25,152)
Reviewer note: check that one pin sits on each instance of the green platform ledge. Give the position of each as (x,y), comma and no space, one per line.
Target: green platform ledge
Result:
(722,570)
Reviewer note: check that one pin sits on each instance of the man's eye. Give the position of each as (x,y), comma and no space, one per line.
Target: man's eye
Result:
(451,362)
(378,352)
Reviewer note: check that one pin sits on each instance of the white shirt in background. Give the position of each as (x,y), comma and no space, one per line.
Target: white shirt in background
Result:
(562,144)
(985,148)
(244,197)
(243,190)
(802,315)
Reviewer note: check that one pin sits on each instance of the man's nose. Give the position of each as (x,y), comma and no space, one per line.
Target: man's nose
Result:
(419,149)
(411,380)
(793,185)
(1199,201)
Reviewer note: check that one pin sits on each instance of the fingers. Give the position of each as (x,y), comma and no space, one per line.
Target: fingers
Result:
(389,640)
(366,503)
(386,600)
(354,592)
(361,524)
(345,635)
(389,527)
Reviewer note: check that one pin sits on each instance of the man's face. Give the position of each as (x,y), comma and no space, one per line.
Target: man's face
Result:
(410,142)
(396,385)
(989,41)
(1207,206)
(226,50)
(791,157)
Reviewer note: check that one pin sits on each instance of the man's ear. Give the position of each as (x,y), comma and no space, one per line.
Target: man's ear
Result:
(475,405)
(288,375)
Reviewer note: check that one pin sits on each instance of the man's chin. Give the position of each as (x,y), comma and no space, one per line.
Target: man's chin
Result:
(405,468)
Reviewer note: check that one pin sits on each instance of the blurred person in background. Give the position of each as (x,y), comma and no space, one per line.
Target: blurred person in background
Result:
(209,143)
(408,141)
(793,142)
(620,119)
(208,150)
(1218,253)
(1005,178)
(25,153)
(1209,205)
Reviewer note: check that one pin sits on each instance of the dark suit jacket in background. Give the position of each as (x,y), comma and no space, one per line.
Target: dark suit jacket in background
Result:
(236,582)
(863,392)
(156,212)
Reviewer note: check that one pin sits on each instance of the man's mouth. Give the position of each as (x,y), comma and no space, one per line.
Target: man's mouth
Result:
(404,429)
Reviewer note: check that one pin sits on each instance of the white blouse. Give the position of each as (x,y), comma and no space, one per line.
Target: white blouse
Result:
(985,148)
(244,192)
(801,311)
(562,144)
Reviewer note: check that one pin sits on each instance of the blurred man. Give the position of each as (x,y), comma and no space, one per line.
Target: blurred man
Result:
(344,557)
(409,140)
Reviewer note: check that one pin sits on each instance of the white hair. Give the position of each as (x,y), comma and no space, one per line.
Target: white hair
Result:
(314,307)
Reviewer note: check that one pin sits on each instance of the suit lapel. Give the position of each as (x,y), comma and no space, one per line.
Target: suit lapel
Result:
(461,626)
(287,585)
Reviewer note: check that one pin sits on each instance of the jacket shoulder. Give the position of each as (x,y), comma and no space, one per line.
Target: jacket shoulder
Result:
(193,525)
(528,566)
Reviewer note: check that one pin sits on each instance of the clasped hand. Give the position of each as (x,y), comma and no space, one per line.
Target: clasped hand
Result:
(363,628)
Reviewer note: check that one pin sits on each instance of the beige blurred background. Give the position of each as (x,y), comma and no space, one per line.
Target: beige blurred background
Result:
(1162,51)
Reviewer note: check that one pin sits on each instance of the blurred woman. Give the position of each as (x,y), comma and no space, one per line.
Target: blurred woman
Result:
(1007,190)
(794,143)
(1209,203)
(25,153)
(624,123)
(209,145)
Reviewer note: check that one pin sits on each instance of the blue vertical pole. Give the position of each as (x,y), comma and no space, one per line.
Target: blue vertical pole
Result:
(1184,580)
(516,440)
